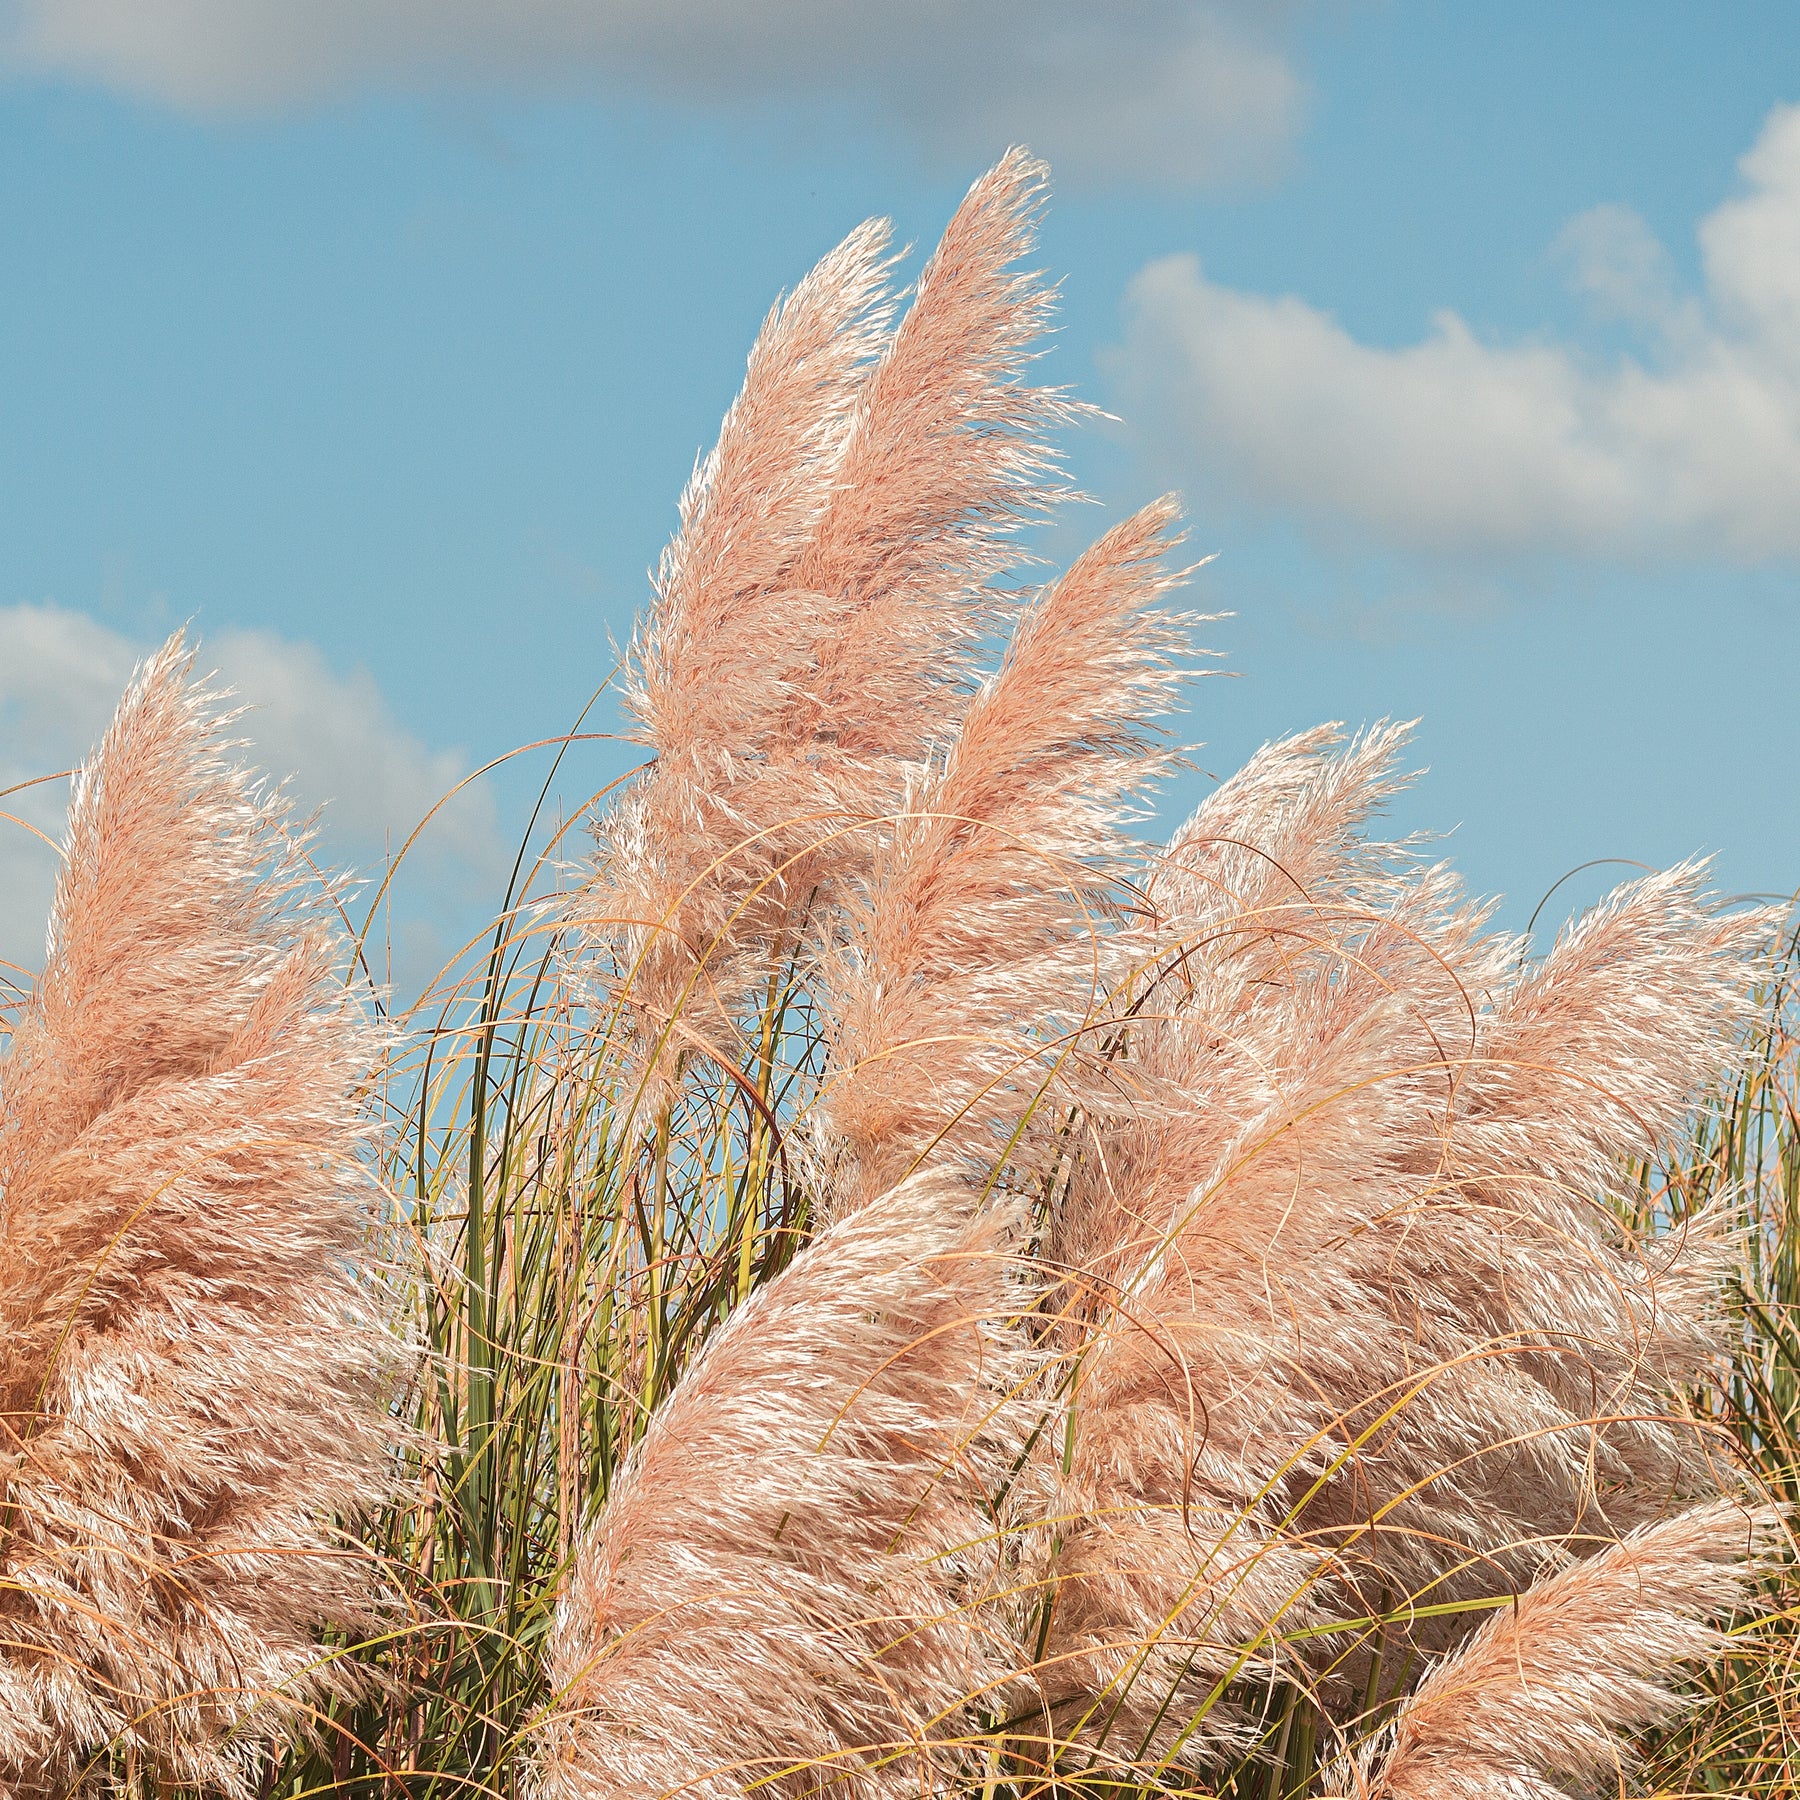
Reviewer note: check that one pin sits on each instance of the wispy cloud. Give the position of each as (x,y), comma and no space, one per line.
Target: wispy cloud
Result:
(1177,91)
(330,735)
(1459,446)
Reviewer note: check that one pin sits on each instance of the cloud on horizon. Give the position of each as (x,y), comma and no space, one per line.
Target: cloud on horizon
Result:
(1458,447)
(331,736)
(1176,92)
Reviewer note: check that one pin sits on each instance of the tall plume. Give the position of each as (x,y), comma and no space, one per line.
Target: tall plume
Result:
(800,1582)
(973,957)
(195,1366)
(1538,1703)
(816,616)
(946,459)
(801,1577)
(1365,1330)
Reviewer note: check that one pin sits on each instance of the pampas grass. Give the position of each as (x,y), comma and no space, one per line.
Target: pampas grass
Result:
(966,977)
(196,1369)
(1372,1344)
(1743,1733)
(921,1290)
(801,1579)
(1364,1343)
(811,643)
(1536,1704)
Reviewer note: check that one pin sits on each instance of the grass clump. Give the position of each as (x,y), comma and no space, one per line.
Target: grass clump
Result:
(898,1284)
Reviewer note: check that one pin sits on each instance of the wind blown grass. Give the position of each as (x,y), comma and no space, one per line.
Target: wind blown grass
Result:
(890,1283)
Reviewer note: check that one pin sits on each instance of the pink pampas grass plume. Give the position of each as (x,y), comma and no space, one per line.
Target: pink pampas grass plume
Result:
(946,459)
(1365,1329)
(815,617)
(1536,1705)
(195,1367)
(801,1580)
(1363,1341)
(972,960)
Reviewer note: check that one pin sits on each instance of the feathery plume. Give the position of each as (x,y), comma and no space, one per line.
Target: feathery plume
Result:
(1366,1331)
(1535,1705)
(867,634)
(815,618)
(1243,892)
(195,1368)
(681,856)
(947,458)
(799,1582)
(972,959)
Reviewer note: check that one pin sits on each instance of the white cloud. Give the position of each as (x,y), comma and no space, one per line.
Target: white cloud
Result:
(1460,446)
(331,736)
(1619,263)
(1178,91)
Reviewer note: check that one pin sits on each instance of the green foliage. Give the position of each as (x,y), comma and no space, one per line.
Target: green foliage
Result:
(568,1256)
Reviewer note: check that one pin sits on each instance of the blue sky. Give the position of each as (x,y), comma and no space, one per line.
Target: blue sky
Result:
(378,338)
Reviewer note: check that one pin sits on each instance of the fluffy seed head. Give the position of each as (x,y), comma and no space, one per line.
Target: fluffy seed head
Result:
(1536,1706)
(801,1580)
(815,619)
(1365,1328)
(196,1364)
(967,979)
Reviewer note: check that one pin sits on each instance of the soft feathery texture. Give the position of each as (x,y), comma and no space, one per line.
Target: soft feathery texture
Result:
(801,1581)
(1537,1704)
(1328,1160)
(1363,1328)
(194,1372)
(816,617)
(964,991)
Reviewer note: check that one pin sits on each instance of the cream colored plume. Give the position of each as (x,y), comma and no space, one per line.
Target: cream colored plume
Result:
(815,619)
(802,1580)
(1364,1328)
(192,1354)
(1538,1705)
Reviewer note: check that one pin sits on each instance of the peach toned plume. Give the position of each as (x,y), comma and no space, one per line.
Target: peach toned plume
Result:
(195,1368)
(812,640)
(968,974)
(1364,1330)
(801,1581)
(1536,1706)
